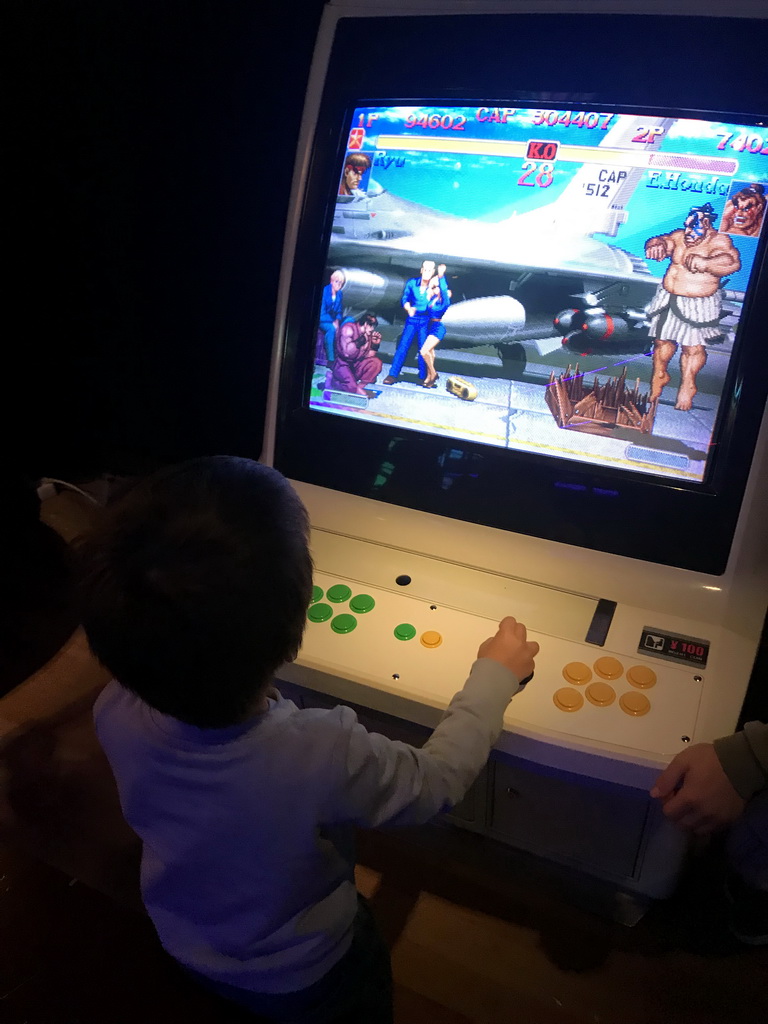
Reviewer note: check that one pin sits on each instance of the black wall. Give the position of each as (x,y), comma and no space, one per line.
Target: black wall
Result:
(152,145)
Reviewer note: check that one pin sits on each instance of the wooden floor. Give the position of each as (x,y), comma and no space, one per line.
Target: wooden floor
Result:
(477,935)
(463,950)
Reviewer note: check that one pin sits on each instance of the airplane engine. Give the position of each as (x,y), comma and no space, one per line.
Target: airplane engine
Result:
(368,292)
(492,320)
(594,330)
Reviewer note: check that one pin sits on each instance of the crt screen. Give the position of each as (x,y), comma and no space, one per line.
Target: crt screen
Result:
(567,283)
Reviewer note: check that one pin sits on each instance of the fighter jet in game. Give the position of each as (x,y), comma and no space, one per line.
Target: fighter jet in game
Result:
(534,275)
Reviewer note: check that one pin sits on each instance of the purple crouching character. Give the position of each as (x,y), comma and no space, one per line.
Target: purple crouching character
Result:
(356,364)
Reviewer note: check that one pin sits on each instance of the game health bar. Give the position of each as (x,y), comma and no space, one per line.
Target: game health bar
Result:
(574,154)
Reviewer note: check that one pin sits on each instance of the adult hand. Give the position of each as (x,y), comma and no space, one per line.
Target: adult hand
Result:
(695,792)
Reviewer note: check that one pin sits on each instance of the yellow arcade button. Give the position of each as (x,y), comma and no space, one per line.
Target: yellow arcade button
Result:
(577,672)
(642,677)
(431,638)
(601,694)
(634,703)
(567,699)
(608,668)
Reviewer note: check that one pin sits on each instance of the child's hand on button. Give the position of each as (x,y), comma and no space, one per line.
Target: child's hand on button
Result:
(511,648)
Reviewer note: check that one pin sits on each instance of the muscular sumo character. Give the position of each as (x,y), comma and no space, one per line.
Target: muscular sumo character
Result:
(354,168)
(744,211)
(686,307)
(356,363)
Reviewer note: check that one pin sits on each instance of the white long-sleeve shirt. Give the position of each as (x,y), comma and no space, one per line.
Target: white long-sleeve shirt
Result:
(247,866)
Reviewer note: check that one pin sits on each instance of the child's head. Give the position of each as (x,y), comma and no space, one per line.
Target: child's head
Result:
(194,588)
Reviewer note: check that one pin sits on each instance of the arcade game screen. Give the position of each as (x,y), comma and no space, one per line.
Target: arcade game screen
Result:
(562,282)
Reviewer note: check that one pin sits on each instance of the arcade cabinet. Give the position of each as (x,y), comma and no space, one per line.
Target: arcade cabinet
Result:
(520,368)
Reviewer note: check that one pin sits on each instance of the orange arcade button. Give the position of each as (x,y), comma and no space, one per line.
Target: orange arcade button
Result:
(601,694)
(568,699)
(577,672)
(608,668)
(642,677)
(634,704)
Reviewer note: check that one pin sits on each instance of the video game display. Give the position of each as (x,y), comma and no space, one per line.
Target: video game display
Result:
(567,283)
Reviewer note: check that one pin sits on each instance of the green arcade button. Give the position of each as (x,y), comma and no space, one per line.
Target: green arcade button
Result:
(319,612)
(405,631)
(344,624)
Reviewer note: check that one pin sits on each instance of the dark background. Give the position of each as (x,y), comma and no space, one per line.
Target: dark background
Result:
(151,152)
(151,147)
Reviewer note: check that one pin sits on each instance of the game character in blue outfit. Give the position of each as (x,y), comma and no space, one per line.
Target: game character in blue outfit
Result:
(439,300)
(331,311)
(415,303)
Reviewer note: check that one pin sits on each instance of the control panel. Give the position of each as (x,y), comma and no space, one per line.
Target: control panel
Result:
(415,649)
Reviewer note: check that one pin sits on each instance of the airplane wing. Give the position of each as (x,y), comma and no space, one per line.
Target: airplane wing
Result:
(595,199)
(555,237)
(514,244)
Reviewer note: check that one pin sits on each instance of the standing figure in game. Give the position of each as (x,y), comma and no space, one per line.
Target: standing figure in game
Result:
(744,211)
(439,300)
(415,302)
(331,311)
(355,167)
(356,364)
(686,307)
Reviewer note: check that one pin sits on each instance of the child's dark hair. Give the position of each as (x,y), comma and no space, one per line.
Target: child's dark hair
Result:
(194,588)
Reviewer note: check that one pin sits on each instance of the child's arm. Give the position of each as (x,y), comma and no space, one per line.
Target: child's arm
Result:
(381,781)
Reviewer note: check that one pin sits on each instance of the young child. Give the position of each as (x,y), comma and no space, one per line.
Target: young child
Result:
(194,591)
